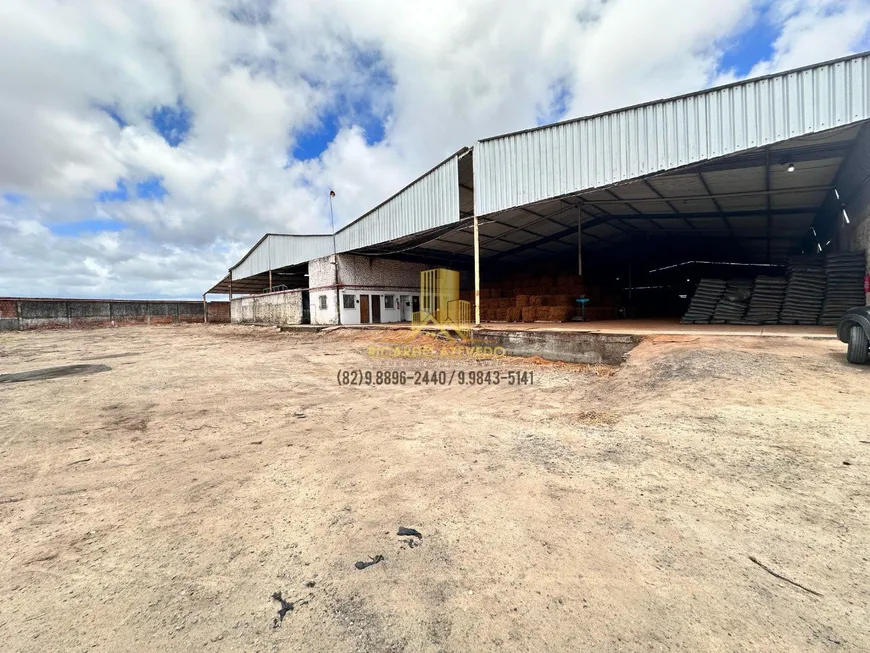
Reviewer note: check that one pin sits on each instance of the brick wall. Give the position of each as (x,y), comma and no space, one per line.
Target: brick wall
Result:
(8,309)
(320,272)
(218,311)
(365,271)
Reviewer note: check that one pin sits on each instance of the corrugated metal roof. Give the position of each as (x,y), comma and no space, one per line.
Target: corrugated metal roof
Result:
(429,202)
(714,136)
(853,191)
(276,251)
(579,155)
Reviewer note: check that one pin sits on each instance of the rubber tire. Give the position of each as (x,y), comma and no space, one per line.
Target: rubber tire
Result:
(858,345)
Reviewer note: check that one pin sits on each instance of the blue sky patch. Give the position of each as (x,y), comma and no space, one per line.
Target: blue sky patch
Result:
(113,113)
(365,103)
(373,126)
(312,143)
(151,189)
(173,123)
(117,194)
(84,227)
(750,47)
(14,198)
(368,105)
(560,98)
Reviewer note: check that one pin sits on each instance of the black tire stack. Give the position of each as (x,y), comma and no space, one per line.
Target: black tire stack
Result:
(765,305)
(704,301)
(805,292)
(732,307)
(844,274)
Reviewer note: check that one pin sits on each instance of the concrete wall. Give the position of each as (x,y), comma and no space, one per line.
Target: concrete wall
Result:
(322,305)
(277,308)
(20,313)
(570,347)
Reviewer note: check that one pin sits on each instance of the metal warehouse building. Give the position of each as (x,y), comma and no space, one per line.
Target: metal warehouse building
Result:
(626,210)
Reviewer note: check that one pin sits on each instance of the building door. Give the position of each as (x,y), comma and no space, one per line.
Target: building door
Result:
(306,308)
(415,304)
(363,309)
(404,308)
(376,309)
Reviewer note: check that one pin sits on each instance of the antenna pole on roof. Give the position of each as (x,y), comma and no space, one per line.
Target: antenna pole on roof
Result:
(334,257)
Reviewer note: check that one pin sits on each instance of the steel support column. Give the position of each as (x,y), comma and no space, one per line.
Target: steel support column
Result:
(579,241)
(476,272)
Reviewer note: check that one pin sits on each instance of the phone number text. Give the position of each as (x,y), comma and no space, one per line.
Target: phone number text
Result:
(434,377)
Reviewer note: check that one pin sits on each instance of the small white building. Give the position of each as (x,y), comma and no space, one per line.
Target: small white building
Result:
(363,306)
(369,291)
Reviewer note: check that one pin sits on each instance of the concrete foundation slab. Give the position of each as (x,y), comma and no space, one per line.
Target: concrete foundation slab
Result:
(651,327)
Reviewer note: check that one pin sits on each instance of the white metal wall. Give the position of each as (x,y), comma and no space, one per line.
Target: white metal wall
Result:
(431,201)
(535,165)
(278,251)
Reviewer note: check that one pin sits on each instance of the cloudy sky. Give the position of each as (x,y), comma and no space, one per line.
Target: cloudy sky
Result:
(145,145)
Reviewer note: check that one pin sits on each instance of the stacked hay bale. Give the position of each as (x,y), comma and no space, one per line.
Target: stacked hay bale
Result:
(551,298)
(561,313)
(495,308)
(545,308)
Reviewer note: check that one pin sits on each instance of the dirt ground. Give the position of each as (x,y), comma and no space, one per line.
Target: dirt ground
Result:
(157,506)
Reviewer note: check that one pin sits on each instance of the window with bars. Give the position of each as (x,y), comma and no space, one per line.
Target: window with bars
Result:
(389,301)
(322,299)
(349,301)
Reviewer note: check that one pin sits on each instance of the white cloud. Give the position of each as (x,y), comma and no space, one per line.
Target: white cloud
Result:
(817,30)
(257,73)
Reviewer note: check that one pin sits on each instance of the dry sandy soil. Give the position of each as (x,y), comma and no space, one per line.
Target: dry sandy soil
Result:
(159,505)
